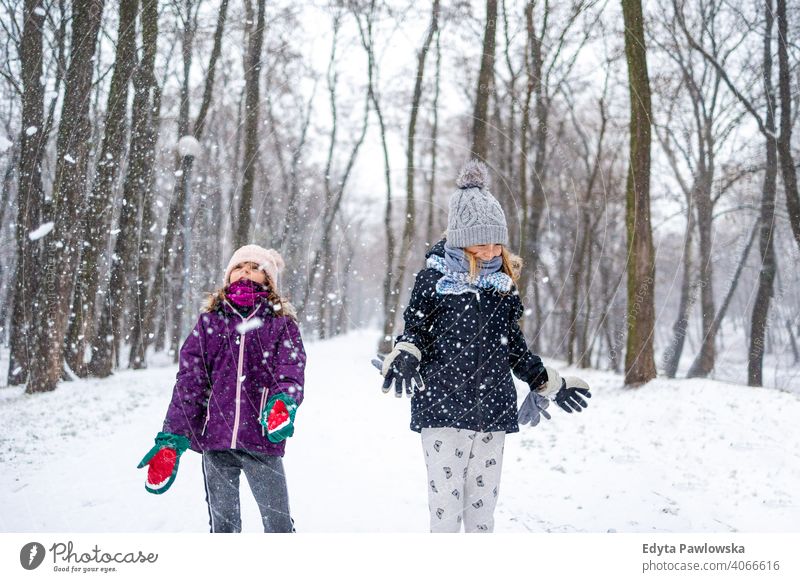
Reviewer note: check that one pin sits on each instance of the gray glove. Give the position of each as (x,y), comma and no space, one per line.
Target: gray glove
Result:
(533,408)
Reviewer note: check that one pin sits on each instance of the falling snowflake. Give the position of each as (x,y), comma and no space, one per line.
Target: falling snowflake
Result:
(188,146)
(249,325)
(42,231)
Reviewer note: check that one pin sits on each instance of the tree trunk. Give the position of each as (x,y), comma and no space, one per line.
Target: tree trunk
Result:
(533,202)
(69,189)
(30,191)
(584,244)
(431,236)
(101,198)
(334,188)
(148,296)
(480,143)
(792,342)
(179,294)
(788,169)
(410,215)
(385,343)
(704,362)
(766,276)
(141,327)
(251,132)
(200,122)
(7,266)
(639,363)
(138,180)
(672,355)
(717,323)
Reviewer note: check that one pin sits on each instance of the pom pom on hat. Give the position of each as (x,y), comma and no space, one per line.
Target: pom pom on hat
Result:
(474,174)
(268,260)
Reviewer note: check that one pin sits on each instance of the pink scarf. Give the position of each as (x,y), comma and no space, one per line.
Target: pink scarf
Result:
(245,292)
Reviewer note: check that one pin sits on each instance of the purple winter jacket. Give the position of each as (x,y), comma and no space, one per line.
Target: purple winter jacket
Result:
(226,377)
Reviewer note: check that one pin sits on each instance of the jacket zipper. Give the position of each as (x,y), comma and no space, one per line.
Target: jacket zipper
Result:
(261,409)
(239,370)
(208,413)
(480,361)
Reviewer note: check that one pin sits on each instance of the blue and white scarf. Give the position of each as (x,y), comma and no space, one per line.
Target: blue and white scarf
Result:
(458,282)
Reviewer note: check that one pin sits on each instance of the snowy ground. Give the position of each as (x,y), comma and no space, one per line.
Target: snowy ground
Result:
(675,456)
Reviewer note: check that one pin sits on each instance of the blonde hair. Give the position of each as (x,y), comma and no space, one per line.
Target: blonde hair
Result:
(280,305)
(512,264)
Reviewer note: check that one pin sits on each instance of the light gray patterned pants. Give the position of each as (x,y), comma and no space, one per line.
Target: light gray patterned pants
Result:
(464,470)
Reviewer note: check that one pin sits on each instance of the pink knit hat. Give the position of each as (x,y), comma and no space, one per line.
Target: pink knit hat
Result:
(268,260)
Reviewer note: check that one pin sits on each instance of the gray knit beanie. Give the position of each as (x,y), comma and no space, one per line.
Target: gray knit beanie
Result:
(475,215)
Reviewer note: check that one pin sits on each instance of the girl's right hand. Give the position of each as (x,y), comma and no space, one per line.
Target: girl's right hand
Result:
(162,461)
(402,368)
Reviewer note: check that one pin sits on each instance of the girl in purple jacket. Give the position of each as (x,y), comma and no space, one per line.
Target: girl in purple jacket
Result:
(238,387)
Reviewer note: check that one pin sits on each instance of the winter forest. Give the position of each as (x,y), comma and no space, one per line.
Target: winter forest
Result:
(143,141)
(645,155)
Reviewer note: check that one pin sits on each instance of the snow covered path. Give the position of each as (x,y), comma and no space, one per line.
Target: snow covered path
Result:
(676,456)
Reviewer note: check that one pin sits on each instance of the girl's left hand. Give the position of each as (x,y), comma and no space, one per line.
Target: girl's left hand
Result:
(278,417)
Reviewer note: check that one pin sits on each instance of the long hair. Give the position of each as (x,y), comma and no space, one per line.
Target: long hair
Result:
(280,305)
(512,264)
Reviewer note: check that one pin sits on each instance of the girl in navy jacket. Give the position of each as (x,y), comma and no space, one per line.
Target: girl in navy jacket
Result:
(456,356)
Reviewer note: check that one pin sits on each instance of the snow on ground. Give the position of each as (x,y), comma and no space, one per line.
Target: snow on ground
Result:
(674,456)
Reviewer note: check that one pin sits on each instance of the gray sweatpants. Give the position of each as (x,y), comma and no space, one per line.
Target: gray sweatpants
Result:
(267,481)
(464,470)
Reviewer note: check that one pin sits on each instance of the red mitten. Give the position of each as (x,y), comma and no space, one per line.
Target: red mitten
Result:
(162,461)
(278,417)
(160,468)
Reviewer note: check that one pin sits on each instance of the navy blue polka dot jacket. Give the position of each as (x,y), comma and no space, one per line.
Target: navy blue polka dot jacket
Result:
(470,344)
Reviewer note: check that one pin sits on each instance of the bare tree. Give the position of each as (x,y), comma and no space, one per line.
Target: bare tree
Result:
(788,167)
(96,216)
(136,186)
(251,129)
(480,142)
(694,144)
(61,254)
(592,159)
(149,296)
(390,311)
(766,276)
(430,234)
(30,191)
(548,65)
(639,362)
(367,41)
(766,126)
